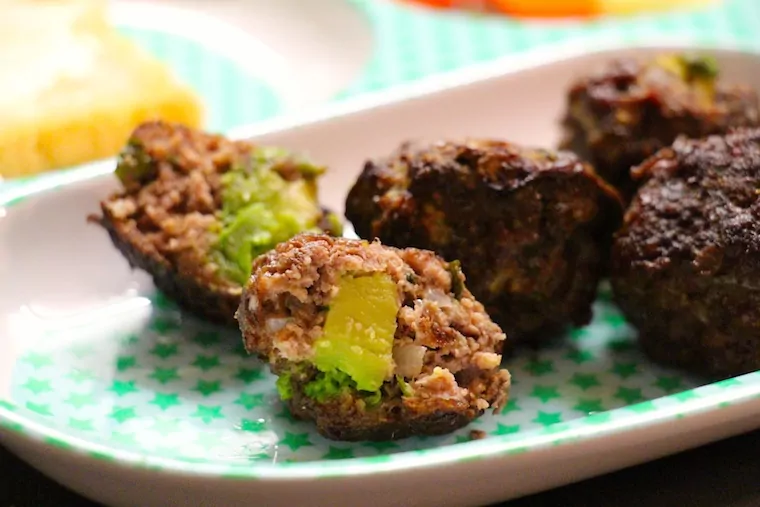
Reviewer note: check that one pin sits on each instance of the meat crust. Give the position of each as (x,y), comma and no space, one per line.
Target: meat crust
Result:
(686,263)
(530,227)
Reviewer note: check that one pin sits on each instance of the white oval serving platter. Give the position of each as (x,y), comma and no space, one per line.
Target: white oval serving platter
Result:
(106,387)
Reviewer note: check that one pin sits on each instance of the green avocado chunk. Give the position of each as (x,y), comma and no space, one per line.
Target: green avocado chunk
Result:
(263,206)
(357,338)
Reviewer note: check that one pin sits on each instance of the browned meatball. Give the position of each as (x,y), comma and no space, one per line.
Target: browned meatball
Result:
(528,225)
(686,263)
(629,109)
(372,342)
(189,213)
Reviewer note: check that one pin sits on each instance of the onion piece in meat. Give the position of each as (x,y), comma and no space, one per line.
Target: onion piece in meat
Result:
(408,359)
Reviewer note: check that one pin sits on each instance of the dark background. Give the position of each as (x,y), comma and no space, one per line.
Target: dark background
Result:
(725,474)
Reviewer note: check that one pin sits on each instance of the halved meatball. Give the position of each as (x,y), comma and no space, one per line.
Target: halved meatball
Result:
(372,342)
(686,263)
(196,208)
(630,108)
(531,227)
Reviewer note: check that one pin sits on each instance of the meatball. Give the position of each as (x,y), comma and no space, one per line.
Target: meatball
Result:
(530,227)
(372,342)
(686,262)
(195,208)
(629,109)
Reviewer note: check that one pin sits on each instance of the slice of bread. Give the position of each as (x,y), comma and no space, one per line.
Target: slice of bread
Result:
(72,89)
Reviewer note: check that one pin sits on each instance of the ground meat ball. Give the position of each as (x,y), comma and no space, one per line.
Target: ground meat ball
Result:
(165,218)
(528,225)
(686,263)
(630,108)
(445,370)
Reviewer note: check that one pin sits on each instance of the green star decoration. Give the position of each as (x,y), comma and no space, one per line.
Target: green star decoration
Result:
(165,401)
(578,334)
(629,396)
(125,439)
(644,406)
(579,356)
(381,447)
(164,375)
(511,406)
(538,367)
(729,382)
(285,414)
(253,426)
(207,414)
(668,384)
(80,376)
(207,388)
(40,408)
(37,386)
(460,439)
(130,339)
(38,360)
(162,325)
(250,401)
(502,429)
(123,363)
(544,393)
(164,350)
(548,418)
(621,345)
(206,363)
(624,370)
(585,381)
(616,321)
(248,375)
(79,400)
(122,414)
(122,387)
(685,396)
(589,405)
(338,453)
(296,440)
(80,424)
(206,338)
(161,302)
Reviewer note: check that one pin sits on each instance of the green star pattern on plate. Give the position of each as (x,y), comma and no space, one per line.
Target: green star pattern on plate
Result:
(338,453)
(460,439)
(206,363)
(161,302)
(729,382)
(548,418)
(579,356)
(130,339)
(125,439)
(511,406)
(625,370)
(208,387)
(589,405)
(248,375)
(545,393)
(39,408)
(250,401)
(123,363)
(252,426)
(164,350)
(37,386)
(206,338)
(615,321)
(37,360)
(162,326)
(208,413)
(540,367)
(668,384)
(629,395)
(685,396)
(644,406)
(621,345)
(165,401)
(79,400)
(285,414)
(80,424)
(80,376)
(122,414)
(165,375)
(585,380)
(295,440)
(123,387)
(503,429)
(381,447)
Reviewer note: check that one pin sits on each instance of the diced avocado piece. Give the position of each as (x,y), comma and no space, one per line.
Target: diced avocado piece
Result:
(328,385)
(284,387)
(260,209)
(134,165)
(357,338)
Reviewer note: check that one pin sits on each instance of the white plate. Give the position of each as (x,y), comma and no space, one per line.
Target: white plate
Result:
(110,390)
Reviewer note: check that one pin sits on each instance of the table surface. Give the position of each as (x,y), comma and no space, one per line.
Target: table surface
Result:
(723,474)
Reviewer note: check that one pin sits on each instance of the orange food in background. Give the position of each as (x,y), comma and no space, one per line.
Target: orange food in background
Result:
(563,8)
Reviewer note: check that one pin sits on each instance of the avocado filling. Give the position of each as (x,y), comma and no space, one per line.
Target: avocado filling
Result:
(699,72)
(357,338)
(262,206)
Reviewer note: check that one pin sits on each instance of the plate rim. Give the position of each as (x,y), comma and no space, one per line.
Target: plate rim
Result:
(700,401)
